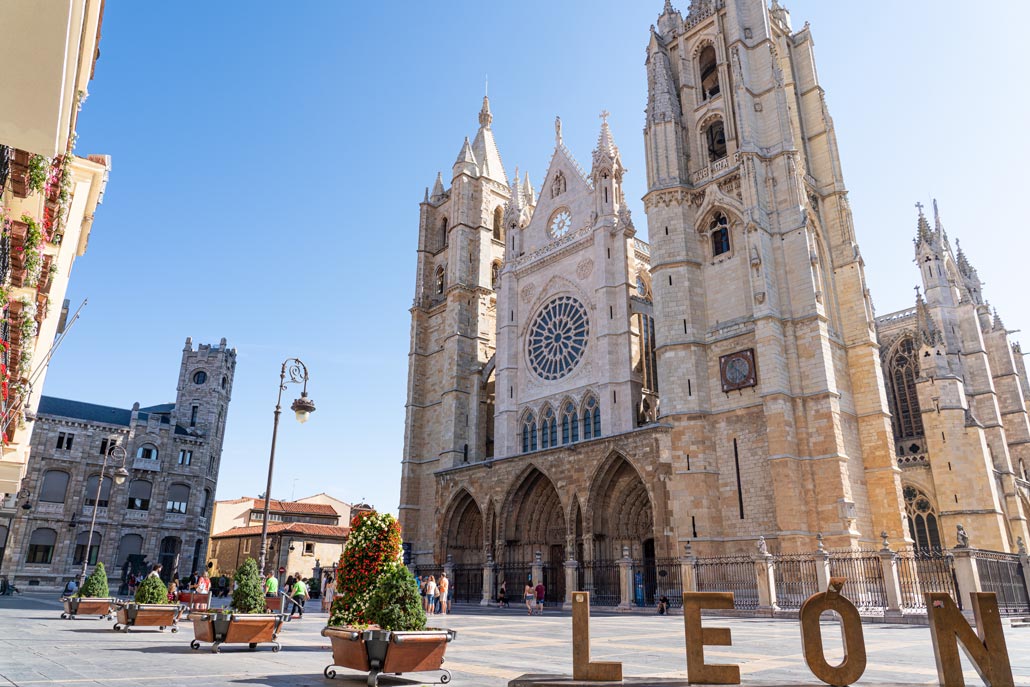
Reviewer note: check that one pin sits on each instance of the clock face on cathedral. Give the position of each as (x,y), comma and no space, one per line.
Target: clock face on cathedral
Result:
(558,338)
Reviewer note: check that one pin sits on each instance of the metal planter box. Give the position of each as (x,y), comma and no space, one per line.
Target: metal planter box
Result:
(382,651)
(88,605)
(148,615)
(236,628)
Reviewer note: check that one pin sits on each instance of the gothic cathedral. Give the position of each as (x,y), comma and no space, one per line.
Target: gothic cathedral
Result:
(576,393)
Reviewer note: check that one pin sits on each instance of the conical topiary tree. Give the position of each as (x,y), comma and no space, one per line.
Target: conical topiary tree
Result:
(151,591)
(96,584)
(248,597)
(374,587)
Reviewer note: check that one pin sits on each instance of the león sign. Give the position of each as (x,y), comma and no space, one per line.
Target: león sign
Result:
(985,647)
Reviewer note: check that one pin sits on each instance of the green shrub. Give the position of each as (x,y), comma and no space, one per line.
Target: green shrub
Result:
(249,595)
(96,584)
(373,587)
(151,591)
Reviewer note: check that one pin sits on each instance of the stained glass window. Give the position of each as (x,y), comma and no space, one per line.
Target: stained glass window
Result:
(922,519)
(907,419)
(558,338)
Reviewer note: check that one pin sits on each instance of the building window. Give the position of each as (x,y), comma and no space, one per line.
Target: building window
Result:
(440,280)
(193,415)
(569,424)
(139,494)
(199,377)
(443,232)
(549,430)
(529,433)
(246,546)
(107,445)
(80,548)
(225,381)
(64,441)
(720,231)
(91,491)
(309,548)
(178,498)
(130,545)
(907,419)
(591,419)
(709,73)
(922,519)
(147,452)
(498,224)
(41,547)
(54,487)
(185,457)
(715,137)
(203,503)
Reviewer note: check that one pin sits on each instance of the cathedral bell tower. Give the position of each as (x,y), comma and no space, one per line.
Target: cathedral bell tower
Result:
(766,345)
(461,244)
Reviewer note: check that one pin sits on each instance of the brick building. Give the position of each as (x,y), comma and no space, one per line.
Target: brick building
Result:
(160,513)
(579,394)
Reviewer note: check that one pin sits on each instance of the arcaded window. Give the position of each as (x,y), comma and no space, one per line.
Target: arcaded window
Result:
(591,419)
(922,519)
(91,491)
(140,491)
(54,487)
(709,73)
(178,498)
(81,540)
(569,424)
(529,433)
(903,368)
(498,225)
(549,429)
(715,137)
(440,280)
(41,547)
(720,231)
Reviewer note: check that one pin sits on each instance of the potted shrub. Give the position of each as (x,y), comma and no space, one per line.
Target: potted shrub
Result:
(93,598)
(245,622)
(377,623)
(149,608)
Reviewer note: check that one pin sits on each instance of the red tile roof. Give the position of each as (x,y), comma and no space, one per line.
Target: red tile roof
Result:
(296,507)
(330,531)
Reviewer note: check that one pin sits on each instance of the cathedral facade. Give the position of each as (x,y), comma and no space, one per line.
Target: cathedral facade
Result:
(582,394)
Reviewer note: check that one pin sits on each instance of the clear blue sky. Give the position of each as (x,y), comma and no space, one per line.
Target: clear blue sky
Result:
(269,160)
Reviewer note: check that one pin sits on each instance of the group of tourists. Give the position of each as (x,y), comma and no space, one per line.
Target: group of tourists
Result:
(295,592)
(436,595)
(196,583)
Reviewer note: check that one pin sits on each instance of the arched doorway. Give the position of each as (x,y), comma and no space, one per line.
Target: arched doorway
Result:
(535,521)
(622,513)
(464,531)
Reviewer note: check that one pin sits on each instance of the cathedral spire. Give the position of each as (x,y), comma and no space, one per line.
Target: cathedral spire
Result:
(930,335)
(438,192)
(466,162)
(923,233)
(485,148)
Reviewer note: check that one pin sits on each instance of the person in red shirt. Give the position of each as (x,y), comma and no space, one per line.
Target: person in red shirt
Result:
(540,590)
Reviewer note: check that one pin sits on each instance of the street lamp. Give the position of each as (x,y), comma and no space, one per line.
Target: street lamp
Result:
(302,407)
(119,476)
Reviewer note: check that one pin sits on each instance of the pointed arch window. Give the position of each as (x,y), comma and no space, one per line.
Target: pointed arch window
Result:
(907,419)
(720,231)
(569,424)
(440,280)
(498,224)
(548,430)
(709,69)
(922,519)
(591,419)
(715,138)
(529,433)
(443,232)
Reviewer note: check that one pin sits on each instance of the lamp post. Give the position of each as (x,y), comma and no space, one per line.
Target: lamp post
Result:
(120,475)
(293,372)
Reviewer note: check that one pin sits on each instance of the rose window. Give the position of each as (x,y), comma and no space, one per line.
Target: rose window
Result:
(558,338)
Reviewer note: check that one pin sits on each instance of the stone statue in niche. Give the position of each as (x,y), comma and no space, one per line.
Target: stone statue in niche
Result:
(961,538)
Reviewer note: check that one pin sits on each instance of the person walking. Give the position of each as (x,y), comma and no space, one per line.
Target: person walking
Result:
(445,594)
(271,585)
(540,593)
(431,591)
(502,595)
(300,596)
(529,595)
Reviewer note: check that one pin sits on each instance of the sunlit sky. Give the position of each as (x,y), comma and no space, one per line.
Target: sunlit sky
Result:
(269,158)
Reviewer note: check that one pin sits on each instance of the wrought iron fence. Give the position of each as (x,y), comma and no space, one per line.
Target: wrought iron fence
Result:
(796,578)
(467,584)
(601,579)
(657,578)
(864,573)
(5,255)
(729,574)
(554,583)
(515,577)
(922,571)
(5,166)
(1002,574)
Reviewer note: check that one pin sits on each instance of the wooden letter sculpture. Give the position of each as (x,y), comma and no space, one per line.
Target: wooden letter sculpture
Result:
(697,637)
(987,652)
(853,665)
(582,667)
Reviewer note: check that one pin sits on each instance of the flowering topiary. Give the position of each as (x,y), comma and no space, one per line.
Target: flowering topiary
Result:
(373,587)
(151,591)
(248,597)
(96,584)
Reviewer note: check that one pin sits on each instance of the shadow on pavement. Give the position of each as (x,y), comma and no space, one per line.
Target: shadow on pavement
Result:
(341,680)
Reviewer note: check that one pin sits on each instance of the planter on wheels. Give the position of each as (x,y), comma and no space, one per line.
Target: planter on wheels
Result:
(148,615)
(236,628)
(382,651)
(88,605)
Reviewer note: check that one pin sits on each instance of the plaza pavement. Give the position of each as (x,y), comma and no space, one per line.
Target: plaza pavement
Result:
(37,648)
